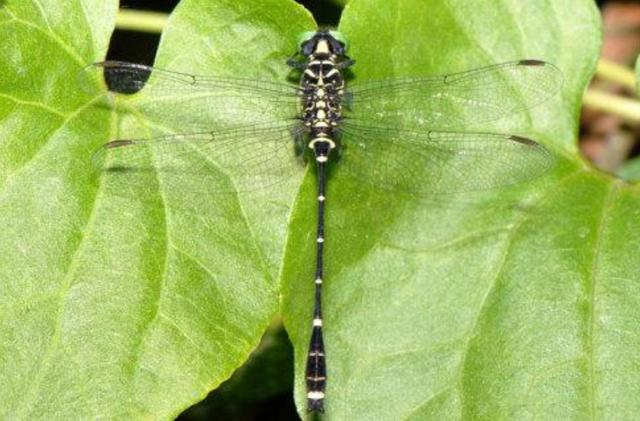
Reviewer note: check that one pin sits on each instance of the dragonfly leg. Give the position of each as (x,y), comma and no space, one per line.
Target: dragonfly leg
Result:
(296,64)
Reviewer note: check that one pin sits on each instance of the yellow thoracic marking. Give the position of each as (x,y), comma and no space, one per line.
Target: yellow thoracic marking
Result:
(322,47)
(322,107)
(331,143)
(332,72)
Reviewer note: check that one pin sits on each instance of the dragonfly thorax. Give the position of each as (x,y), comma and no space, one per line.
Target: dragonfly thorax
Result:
(322,86)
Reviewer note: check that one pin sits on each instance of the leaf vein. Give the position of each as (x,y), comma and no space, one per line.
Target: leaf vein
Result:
(602,223)
(68,118)
(63,293)
(498,270)
(51,35)
(162,284)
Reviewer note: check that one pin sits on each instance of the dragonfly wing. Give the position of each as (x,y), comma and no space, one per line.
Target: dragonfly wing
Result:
(128,78)
(245,158)
(456,100)
(197,102)
(439,162)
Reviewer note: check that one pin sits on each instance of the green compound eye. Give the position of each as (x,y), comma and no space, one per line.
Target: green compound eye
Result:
(340,37)
(305,36)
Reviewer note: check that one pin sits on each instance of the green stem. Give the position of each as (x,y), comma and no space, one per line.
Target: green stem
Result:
(141,21)
(613,104)
(614,72)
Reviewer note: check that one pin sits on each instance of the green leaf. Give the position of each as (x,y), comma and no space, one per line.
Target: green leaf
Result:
(630,170)
(521,303)
(133,303)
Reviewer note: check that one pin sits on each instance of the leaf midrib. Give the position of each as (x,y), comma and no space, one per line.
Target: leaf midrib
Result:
(62,292)
(512,232)
(595,264)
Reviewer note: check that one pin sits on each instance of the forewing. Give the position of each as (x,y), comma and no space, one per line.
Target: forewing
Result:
(438,162)
(200,97)
(454,101)
(128,78)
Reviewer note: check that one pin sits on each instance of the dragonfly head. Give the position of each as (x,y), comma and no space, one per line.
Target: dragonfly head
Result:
(323,41)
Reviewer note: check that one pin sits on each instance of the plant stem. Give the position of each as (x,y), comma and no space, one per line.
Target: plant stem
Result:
(614,72)
(141,21)
(613,104)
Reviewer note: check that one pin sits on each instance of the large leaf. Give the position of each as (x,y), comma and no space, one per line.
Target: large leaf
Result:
(125,301)
(514,304)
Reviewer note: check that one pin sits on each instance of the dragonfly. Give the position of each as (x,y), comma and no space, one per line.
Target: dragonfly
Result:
(407,134)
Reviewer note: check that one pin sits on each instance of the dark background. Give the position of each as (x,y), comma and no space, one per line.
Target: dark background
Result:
(141,48)
(262,389)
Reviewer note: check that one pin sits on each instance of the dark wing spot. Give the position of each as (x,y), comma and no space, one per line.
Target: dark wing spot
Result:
(531,63)
(523,140)
(118,144)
